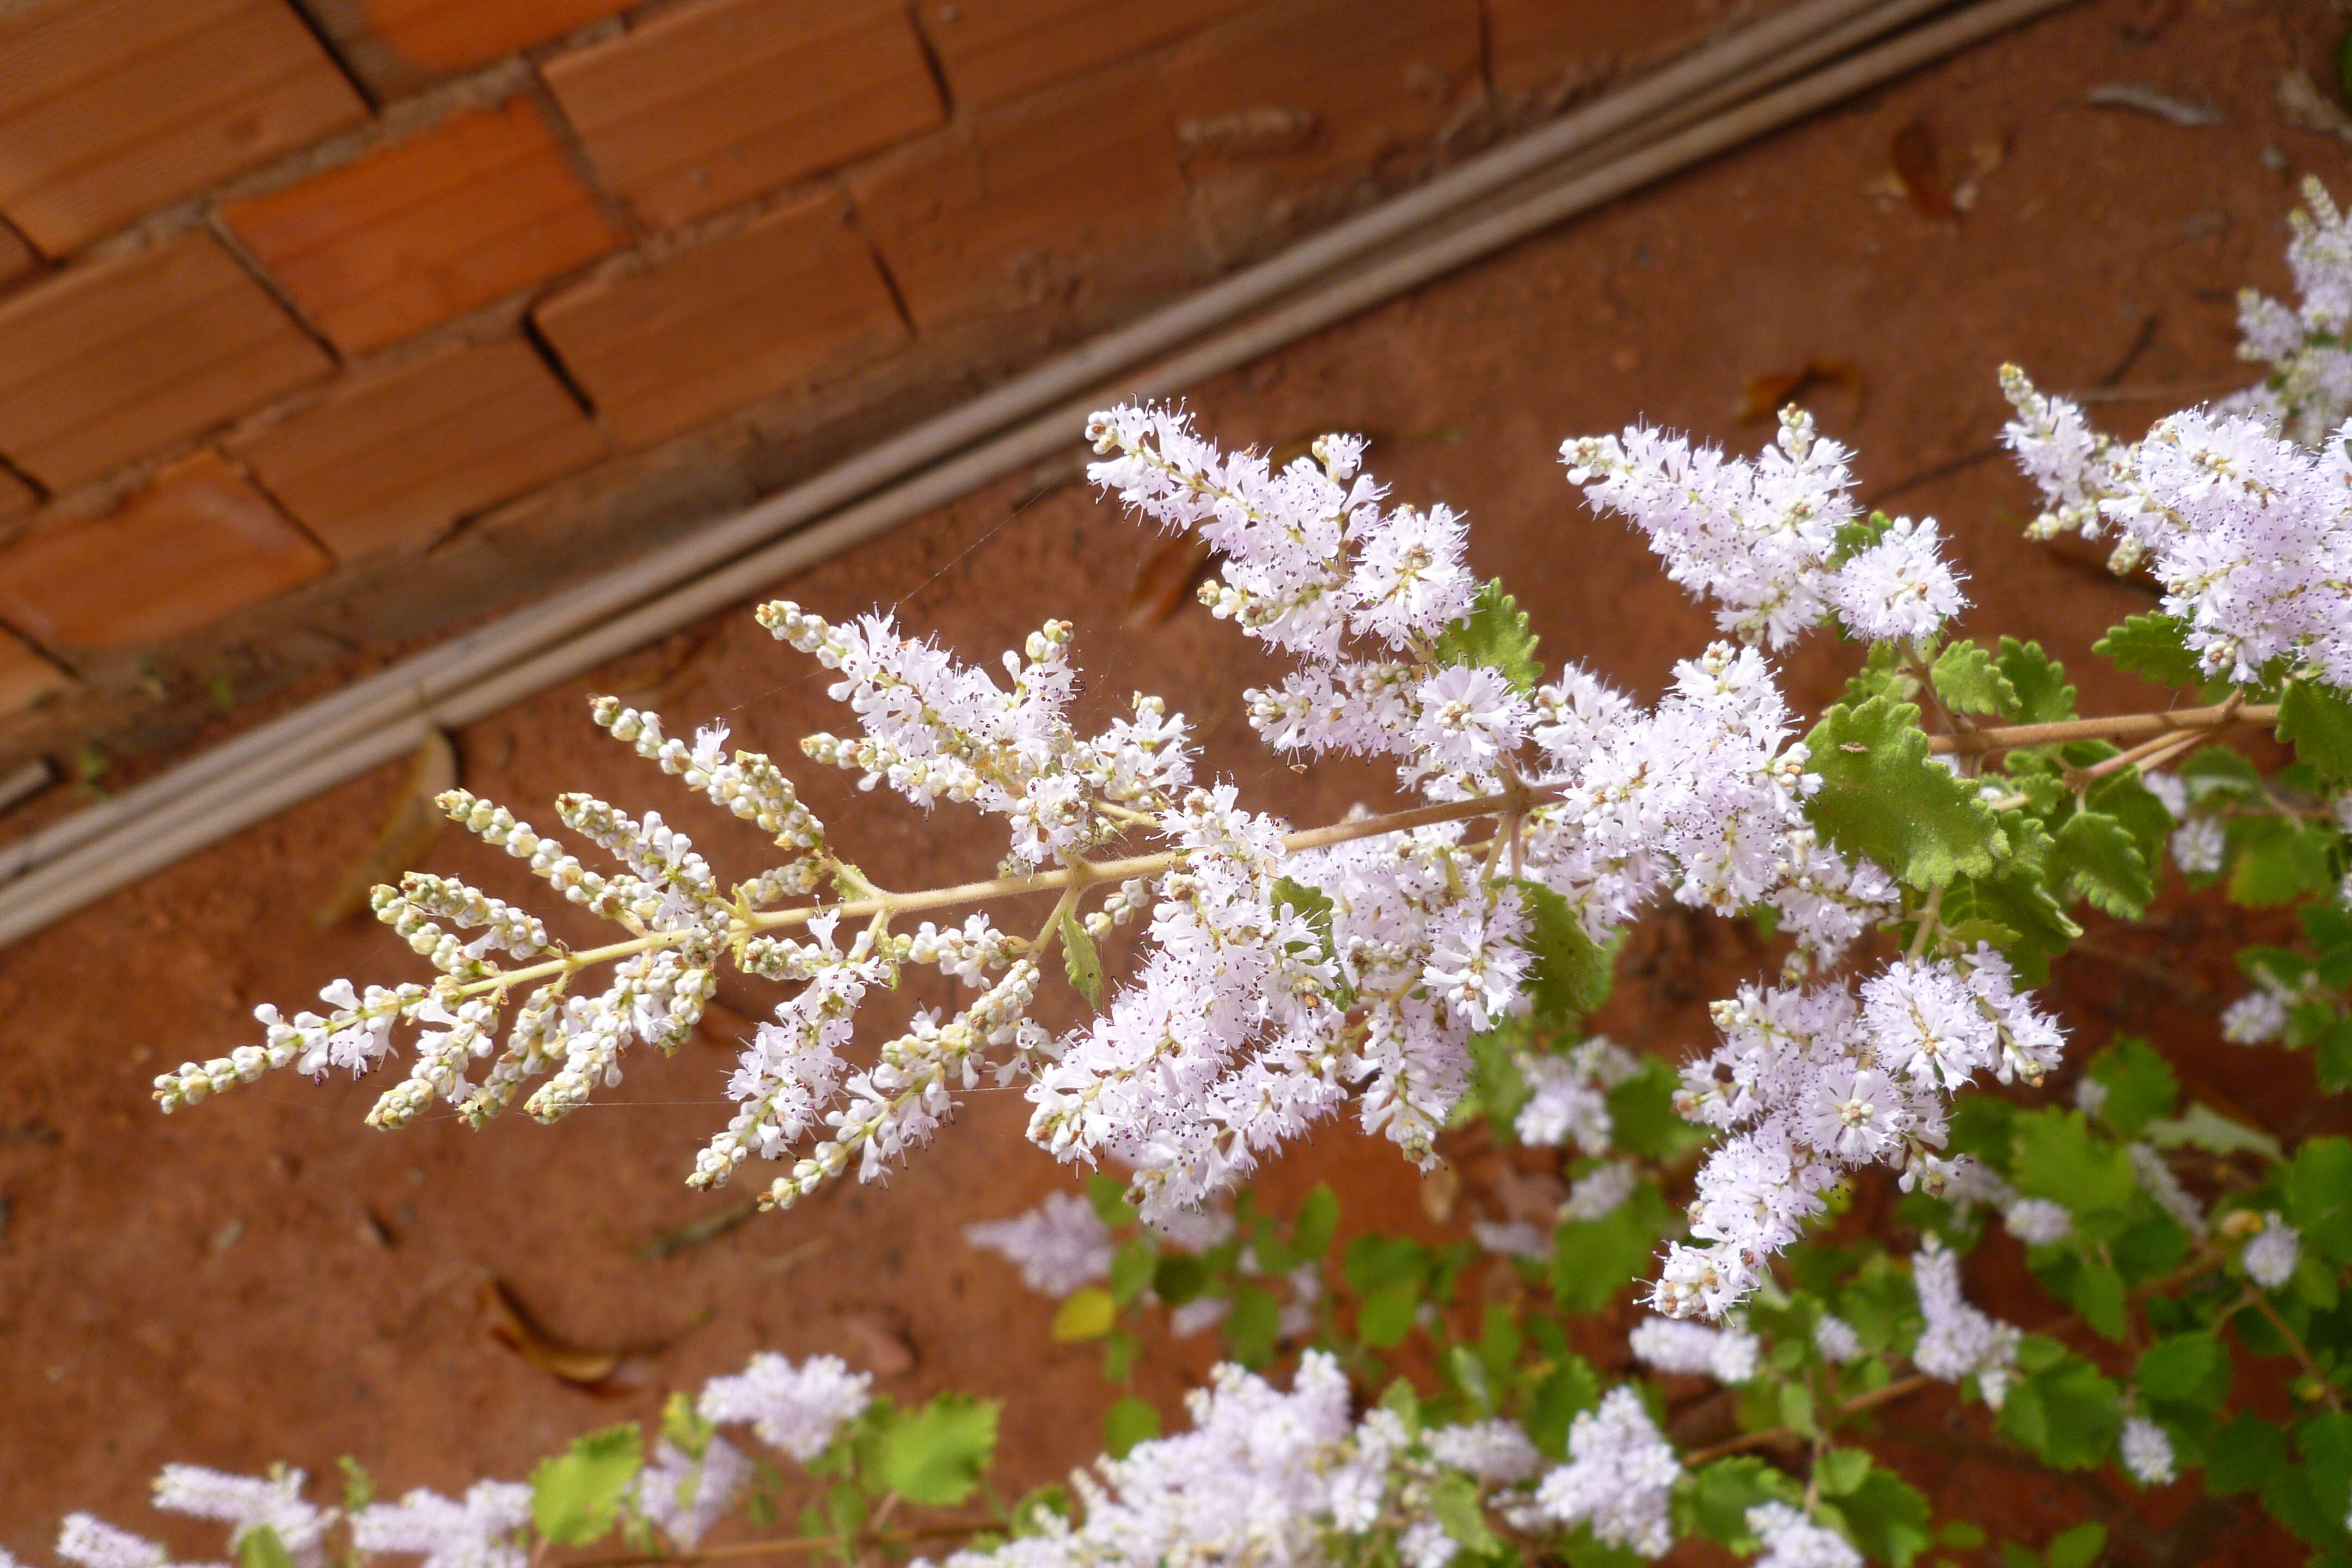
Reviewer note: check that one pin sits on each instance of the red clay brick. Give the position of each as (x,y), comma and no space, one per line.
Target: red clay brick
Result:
(25,677)
(1069,198)
(1540,44)
(996,49)
(1269,113)
(198,543)
(425,230)
(702,107)
(396,45)
(103,361)
(792,297)
(109,108)
(388,460)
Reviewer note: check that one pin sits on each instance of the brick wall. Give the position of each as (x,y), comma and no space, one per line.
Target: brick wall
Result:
(326,322)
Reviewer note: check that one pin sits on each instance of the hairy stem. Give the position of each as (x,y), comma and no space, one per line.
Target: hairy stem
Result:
(2231,714)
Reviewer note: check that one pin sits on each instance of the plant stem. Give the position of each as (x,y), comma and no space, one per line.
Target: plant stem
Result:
(1901,1388)
(2261,1302)
(2231,714)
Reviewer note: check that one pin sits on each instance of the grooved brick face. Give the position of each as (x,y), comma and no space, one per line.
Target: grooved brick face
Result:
(1268,111)
(1538,44)
(105,361)
(792,297)
(1069,198)
(396,45)
(388,460)
(416,233)
(702,107)
(109,108)
(994,49)
(25,677)
(197,544)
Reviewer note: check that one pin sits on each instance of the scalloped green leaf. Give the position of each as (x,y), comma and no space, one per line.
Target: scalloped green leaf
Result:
(1885,798)
(1494,632)
(2154,648)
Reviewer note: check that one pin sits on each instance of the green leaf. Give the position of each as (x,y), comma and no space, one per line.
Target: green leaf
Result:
(1088,1313)
(1888,1518)
(1312,903)
(2076,1548)
(1883,798)
(1886,673)
(2319,1196)
(2053,1155)
(2246,1453)
(1131,1269)
(1571,973)
(575,1497)
(1318,1222)
(936,1455)
(1453,1501)
(2096,1290)
(2202,1127)
(2154,646)
(2095,857)
(1386,1314)
(1594,1259)
(1108,1196)
(1567,1391)
(1079,960)
(2043,695)
(2277,861)
(359,1487)
(1127,1422)
(2067,1412)
(1253,1327)
(1715,1500)
(2139,1082)
(2317,720)
(1494,632)
(1642,1116)
(2191,1369)
(684,1427)
(259,1547)
(1374,1261)
(1967,682)
(1841,1470)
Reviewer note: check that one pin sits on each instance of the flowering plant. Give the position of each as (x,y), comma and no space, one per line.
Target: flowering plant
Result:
(1920,852)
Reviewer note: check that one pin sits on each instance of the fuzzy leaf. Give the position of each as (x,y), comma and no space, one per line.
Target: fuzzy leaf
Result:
(2065,1412)
(1079,960)
(1882,797)
(1494,632)
(1088,1313)
(1127,1422)
(575,1497)
(2043,695)
(260,1547)
(2139,1082)
(1716,1500)
(936,1455)
(2153,646)
(2094,858)
(2317,722)
(1888,1518)
(1571,973)
(1967,682)
(1453,1501)
(2202,1127)
(1884,672)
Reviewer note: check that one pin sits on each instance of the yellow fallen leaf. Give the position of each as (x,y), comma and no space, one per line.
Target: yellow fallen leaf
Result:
(407,832)
(1089,1314)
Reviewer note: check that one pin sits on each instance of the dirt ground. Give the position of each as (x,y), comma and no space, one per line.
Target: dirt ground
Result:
(263,1279)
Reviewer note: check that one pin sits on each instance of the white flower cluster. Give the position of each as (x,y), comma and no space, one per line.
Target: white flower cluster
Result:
(798,1409)
(1568,1098)
(1814,1083)
(1619,1476)
(2308,391)
(1266,1478)
(1727,1355)
(1059,1246)
(1959,1340)
(1768,541)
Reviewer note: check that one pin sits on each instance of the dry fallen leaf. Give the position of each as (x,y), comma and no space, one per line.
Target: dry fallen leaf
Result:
(874,1342)
(2146,100)
(1441,1190)
(1985,155)
(2301,105)
(695,1232)
(511,1324)
(414,823)
(1763,396)
(1920,167)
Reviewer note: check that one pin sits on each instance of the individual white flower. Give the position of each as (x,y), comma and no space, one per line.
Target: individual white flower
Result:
(482,1531)
(1469,717)
(2038,1222)
(2200,846)
(1059,1246)
(1854,1112)
(1425,1544)
(799,1409)
(685,1496)
(2254,1018)
(1836,1340)
(2147,1452)
(1618,1477)
(1792,1540)
(2272,1252)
